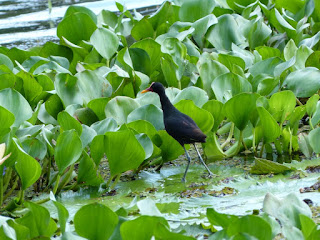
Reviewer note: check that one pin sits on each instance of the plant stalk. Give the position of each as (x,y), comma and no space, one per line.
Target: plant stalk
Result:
(115,181)
(56,184)
(66,178)
(229,136)
(14,186)
(21,198)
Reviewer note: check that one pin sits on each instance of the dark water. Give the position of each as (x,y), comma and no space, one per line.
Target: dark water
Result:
(28,23)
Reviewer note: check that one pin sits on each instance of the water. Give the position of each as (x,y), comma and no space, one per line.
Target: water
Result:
(28,23)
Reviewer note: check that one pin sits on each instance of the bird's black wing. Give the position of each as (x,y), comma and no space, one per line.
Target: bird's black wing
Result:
(182,128)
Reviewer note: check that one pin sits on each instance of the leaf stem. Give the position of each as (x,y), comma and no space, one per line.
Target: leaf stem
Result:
(115,181)
(56,184)
(21,198)
(14,186)
(229,136)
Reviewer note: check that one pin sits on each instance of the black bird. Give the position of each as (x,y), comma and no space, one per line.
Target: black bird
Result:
(179,125)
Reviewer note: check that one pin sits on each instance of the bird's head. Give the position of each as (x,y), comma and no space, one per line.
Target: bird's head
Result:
(155,87)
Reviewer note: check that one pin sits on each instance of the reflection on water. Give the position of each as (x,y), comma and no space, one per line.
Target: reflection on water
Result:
(25,24)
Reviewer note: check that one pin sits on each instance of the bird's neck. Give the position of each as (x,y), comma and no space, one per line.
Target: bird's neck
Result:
(166,105)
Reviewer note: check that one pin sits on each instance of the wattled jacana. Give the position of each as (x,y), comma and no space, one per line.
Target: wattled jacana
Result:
(179,125)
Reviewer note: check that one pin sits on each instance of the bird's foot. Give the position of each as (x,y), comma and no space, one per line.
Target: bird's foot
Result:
(183,180)
(211,175)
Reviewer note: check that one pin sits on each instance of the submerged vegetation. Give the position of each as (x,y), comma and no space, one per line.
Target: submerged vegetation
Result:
(246,71)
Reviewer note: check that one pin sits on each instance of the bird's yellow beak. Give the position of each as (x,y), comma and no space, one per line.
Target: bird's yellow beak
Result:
(146,90)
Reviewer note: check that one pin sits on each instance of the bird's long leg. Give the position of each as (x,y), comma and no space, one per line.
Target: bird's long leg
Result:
(189,161)
(201,160)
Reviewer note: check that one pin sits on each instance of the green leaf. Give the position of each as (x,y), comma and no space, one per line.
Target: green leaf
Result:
(141,228)
(95,221)
(170,148)
(8,79)
(162,232)
(314,138)
(229,61)
(191,10)
(258,33)
(63,213)
(53,105)
(105,42)
(263,166)
(216,109)
(106,125)
(210,69)
(6,119)
(68,149)
(313,60)
(197,95)
(38,221)
(28,169)
(202,117)
(281,105)
(69,27)
(75,9)
(86,116)
(266,66)
(98,105)
(88,172)
(220,219)
(34,147)
(143,126)
(307,225)
(287,214)
(212,148)
(67,89)
(303,83)
(149,113)
(120,107)
(254,226)
(142,29)
(67,122)
(16,104)
(239,109)
(225,33)
(229,84)
(312,104)
(146,143)
(5,60)
(271,129)
(124,151)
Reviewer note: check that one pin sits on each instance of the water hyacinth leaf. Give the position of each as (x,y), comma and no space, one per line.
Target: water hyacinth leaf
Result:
(202,117)
(264,166)
(255,226)
(161,231)
(69,27)
(53,105)
(88,172)
(86,116)
(95,221)
(304,145)
(302,55)
(34,147)
(216,109)
(106,125)
(124,151)
(38,221)
(63,213)
(68,149)
(87,135)
(97,148)
(288,214)
(295,117)
(227,85)
(6,119)
(98,105)
(74,9)
(142,29)
(239,109)
(8,79)
(140,60)
(280,68)
(311,105)
(201,26)
(316,115)
(258,33)
(141,228)
(5,60)
(314,138)
(28,169)
(92,86)
(190,11)
(220,219)
(152,48)
(67,122)
(212,148)
(149,113)
(313,60)
(209,69)
(223,34)
(271,129)
(146,143)
(268,52)
(197,95)
(281,104)
(170,148)
(120,107)
(303,83)
(143,126)
(16,104)
(266,66)
(105,42)
(67,89)
(229,61)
